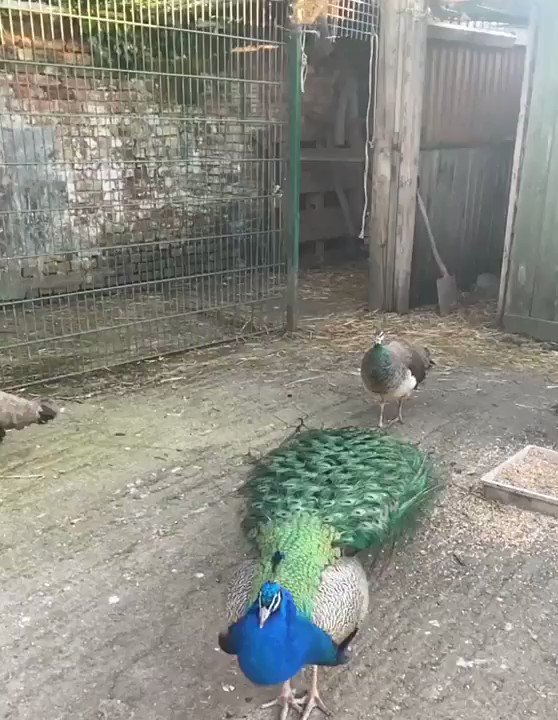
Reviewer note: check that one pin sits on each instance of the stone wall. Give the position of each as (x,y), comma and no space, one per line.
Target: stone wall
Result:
(104,181)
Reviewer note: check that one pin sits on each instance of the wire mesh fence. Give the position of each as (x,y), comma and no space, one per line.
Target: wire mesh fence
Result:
(356,19)
(142,159)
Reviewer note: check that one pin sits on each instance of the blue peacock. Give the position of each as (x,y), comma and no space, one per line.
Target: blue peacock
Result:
(311,505)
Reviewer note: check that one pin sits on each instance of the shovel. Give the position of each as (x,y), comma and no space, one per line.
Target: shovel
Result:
(447,288)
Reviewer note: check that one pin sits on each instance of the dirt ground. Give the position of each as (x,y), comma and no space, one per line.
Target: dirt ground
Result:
(119,528)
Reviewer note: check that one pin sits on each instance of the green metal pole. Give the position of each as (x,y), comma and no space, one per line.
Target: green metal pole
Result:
(294,61)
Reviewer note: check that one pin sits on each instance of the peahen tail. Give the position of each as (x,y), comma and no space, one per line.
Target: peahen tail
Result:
(325,490)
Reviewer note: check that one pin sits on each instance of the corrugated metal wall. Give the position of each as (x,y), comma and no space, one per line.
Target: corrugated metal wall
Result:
(471,94)
(471,107)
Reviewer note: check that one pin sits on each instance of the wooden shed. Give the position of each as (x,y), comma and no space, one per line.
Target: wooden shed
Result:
(448,107)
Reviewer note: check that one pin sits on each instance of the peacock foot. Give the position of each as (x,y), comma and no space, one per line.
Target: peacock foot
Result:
(313,701)
(286,701)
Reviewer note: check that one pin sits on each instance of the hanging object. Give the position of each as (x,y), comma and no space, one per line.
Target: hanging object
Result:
(308,12)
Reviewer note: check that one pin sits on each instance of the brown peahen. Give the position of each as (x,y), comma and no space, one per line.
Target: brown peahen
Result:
(17,413)
(301,600)
(392,369)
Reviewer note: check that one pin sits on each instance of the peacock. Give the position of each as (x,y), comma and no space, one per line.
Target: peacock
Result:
(310,506)
(392,369)
(17,413)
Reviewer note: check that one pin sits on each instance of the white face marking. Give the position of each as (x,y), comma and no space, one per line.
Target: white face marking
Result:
(274,604)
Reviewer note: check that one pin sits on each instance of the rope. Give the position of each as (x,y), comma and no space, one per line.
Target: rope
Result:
(372,96)
(303,63)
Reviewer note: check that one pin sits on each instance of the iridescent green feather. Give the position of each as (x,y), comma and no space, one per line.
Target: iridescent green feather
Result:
(307,546)
(327,489)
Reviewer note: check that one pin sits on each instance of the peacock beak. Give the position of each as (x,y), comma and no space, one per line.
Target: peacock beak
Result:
(264,614)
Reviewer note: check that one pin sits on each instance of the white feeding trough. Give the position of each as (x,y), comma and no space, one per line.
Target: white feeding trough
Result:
(528,480)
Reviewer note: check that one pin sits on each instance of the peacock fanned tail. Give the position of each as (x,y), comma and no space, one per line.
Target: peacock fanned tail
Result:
(325,490)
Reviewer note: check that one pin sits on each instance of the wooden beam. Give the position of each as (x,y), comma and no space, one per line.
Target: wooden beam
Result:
(523,499)
(545,330)
(396,151)
(414,20)
(526,88)
(332,154)
(383,166)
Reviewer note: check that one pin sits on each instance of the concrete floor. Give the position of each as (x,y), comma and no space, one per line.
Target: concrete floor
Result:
(119,528)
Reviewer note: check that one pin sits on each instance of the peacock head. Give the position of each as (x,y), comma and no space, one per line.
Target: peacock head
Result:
(269,601)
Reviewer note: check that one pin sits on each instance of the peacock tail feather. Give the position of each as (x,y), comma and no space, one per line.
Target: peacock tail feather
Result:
(327,489)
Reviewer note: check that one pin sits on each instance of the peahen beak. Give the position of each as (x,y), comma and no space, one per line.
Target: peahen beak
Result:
(264,614)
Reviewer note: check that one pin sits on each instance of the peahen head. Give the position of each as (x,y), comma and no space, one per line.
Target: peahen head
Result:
(379,338)
(269,601)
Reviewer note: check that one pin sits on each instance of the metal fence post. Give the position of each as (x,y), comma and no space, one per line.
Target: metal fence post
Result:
(294,55)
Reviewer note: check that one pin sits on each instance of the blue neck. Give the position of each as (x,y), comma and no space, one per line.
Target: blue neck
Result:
(269,655)
(278,651)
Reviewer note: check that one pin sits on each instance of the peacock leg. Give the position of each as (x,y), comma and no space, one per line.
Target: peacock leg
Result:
(381,419)
(286,701)
(313,699)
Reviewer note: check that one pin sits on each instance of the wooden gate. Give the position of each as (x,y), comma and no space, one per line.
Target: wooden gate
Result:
(531,294)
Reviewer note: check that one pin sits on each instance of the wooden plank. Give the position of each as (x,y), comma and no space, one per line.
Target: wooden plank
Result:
(517,458)
(316,205)
(383,165)
(523,499)
(393,209)
(414,19)
(546,330)
(345,209)
(333,154)
(518,154)
(534,183)
(544,305)
(396,152)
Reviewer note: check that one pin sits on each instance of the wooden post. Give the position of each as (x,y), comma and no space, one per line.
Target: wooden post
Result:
(521,132)
(396,151)
(382,165)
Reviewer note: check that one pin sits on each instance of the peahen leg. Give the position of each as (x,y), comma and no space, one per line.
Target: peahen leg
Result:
(381,419)
(399,417)
(313,700)
(286,701)
(400,411)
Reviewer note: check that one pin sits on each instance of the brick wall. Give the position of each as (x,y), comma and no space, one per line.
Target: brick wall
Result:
(93,162)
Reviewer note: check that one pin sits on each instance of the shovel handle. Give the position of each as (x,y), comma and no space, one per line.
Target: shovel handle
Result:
(443,269)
